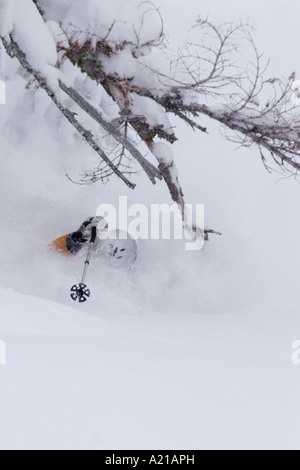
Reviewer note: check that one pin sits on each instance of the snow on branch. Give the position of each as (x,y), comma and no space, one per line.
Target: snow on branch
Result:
(210,76)
(13,49)
(113,131)
(119,55)
(218,73)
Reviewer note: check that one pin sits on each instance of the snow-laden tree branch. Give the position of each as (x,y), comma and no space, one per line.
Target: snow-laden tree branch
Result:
(210,68)
(13,49)
(113,131)
(218,73)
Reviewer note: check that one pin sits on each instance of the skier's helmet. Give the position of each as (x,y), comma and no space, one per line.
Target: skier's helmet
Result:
(119,249)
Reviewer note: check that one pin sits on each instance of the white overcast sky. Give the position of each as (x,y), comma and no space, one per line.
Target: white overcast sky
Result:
(277,24)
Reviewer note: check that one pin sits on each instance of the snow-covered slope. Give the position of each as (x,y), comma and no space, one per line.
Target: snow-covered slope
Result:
(194,349)
(146,381)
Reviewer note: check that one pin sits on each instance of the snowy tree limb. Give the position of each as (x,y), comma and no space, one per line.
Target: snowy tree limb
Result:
(149,169)
(276,129)
(118,90)
(13,49)
(90,50)
(211,67)
(278,144)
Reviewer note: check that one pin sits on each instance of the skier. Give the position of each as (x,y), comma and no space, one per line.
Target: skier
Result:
(72,243)
(117,247)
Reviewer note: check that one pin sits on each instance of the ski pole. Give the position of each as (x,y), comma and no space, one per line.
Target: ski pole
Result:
(81,292)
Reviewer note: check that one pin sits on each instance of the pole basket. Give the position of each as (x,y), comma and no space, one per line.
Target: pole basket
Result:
(80,293)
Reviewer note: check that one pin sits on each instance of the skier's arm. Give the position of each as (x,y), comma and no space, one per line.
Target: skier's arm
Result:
(60,245)
(71,244)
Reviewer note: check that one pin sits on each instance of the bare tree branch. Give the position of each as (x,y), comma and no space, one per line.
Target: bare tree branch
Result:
(13,49)
(218,73)
(149,169)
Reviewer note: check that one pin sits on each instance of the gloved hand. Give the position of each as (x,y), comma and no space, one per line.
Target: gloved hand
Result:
(76,240)
(86,228)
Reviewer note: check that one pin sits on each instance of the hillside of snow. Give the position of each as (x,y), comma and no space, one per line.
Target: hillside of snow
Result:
(145,380)
(193,350)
